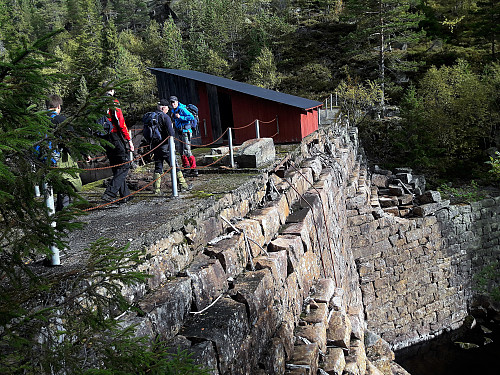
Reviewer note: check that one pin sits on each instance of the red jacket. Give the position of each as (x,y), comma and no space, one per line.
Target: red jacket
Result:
(115,115)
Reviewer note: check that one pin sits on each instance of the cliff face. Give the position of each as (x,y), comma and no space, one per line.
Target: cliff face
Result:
(297,269)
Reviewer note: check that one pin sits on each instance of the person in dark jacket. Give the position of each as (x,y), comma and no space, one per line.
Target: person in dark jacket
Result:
(162,153)
(183,120)
(64,160)
(119,154)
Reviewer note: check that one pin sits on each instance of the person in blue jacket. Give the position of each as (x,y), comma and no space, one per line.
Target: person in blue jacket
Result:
(183,121)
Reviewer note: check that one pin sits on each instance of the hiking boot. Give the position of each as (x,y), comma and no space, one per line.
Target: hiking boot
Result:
(126,199)
(108,198)
(157,184)
(185,187)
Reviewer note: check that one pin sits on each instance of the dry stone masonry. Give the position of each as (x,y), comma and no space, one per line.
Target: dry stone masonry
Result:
(307,270)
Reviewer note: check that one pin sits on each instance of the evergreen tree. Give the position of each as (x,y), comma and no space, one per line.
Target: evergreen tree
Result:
(85,46)
(65,322)
(263,72)
(385,33)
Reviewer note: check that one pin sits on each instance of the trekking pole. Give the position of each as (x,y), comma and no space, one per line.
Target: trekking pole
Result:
(173,172)
(49,202)
(257,130)
(231,154)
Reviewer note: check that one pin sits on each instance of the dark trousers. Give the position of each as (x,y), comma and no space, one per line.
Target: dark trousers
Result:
(118,155)
(160,155)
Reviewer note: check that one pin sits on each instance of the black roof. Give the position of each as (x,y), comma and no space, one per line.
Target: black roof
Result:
(245,88)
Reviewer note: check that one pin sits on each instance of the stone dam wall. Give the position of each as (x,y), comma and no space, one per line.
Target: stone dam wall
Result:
(299,271)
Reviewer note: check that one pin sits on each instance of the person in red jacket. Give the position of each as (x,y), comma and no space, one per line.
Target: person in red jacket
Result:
(121,140)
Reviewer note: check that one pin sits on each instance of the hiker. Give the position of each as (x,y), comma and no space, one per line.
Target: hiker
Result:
(157,128)
(54,104)
(183,121)
(119,153)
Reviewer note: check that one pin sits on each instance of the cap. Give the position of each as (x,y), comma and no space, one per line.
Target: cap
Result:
(173,99)
(163,102)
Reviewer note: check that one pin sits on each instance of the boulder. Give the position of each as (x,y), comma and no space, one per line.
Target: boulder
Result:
(255,153)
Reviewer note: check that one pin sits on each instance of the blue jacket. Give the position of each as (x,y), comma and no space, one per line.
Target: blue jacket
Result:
(186,119)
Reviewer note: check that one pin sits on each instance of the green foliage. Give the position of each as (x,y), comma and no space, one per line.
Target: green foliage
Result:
(450,118)
(357,98)
(464,194)
(488,281)
(386,32)
(70,320)
(263,71)
(494,162)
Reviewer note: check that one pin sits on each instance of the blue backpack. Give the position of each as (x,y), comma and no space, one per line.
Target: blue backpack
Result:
(151,130)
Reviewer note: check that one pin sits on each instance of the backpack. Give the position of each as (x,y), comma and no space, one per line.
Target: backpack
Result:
(106,125)
(194,111)
(151,130)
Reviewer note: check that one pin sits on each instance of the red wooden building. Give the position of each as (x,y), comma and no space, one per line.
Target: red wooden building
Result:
(224,103)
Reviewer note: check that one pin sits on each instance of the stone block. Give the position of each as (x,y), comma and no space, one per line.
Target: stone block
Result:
(357,355)
(392,210)
(293,246)
(285,334)
(315,165)
(300,229)
(277,263)
(430,208)
(308,271)
(418,182)
(281,205)
(334,361)
(294,295)
(386,202)
(204,354)
(306,355)
(255,290)
(253,230)
(339,330)
(405,199)
(317,314)
(206,230)
(379,352)
(269,221)
(231,253)
(275,358)
(396,190)
(315,333)
(324,289)
(167,308)
(381,180)
(255,153)
(430,196)
(371,369)
(226,325)
(208,280)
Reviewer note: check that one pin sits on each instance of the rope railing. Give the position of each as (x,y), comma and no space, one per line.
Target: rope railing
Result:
(130,195)
(127,162)
(205,145)
(246,126)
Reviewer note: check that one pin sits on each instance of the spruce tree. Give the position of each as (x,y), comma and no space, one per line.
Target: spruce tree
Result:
(66,321)
(386,30)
